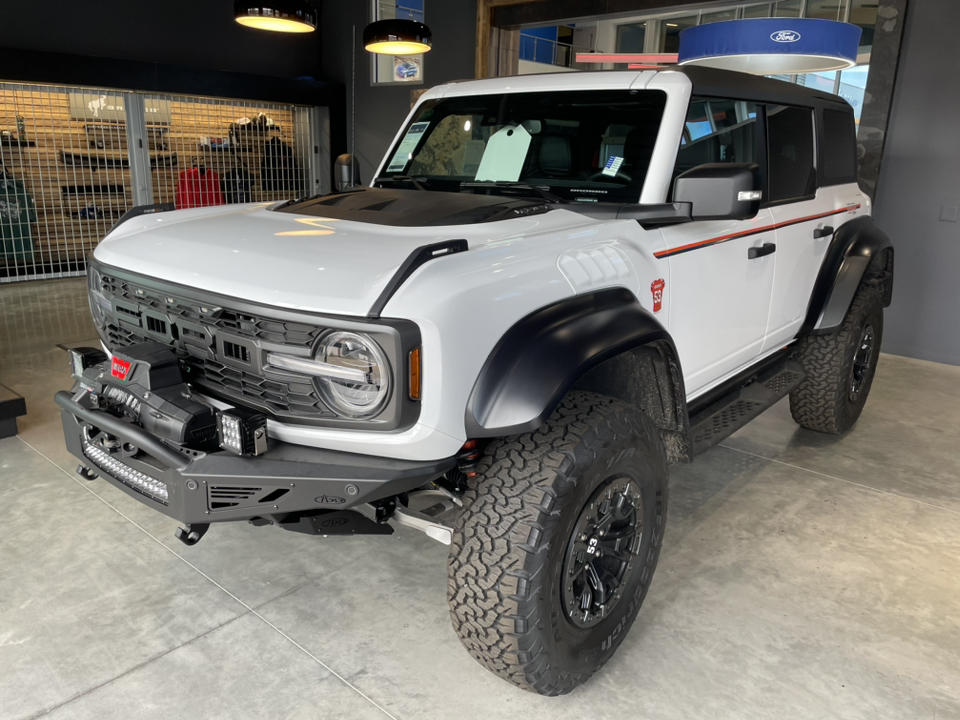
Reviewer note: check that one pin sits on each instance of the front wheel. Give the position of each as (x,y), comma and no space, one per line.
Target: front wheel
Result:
(558,540)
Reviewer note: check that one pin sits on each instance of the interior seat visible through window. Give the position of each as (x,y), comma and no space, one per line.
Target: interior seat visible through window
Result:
(556,158)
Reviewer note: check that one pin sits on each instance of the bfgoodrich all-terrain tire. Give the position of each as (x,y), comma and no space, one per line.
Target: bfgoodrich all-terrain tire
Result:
(559,537)
(840,367)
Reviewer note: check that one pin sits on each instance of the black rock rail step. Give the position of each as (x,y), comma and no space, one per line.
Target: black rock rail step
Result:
(721,419)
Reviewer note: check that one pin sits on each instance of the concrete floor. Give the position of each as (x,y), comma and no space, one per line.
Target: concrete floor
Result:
(802,577)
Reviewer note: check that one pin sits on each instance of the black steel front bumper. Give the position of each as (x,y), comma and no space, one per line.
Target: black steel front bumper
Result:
(220,486)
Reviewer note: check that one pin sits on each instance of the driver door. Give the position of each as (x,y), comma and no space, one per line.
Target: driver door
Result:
(719,275)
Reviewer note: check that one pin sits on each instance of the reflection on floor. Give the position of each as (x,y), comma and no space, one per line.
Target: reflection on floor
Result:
(802,577)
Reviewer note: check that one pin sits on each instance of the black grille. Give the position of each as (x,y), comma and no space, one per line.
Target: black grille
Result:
(279,397)
(192,332)
(236,323)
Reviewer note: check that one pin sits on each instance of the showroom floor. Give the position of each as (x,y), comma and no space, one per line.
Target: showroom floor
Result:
(802,576)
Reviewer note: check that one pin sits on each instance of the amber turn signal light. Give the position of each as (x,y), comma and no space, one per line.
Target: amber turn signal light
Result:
(415,374)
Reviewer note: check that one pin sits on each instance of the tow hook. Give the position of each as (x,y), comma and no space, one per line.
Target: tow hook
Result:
(86,473)
(191,534)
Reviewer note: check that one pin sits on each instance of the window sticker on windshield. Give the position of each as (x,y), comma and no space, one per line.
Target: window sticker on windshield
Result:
(503,158)
(409,143)
(612,166)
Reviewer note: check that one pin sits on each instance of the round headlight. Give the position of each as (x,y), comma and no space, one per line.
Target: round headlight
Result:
(357,397)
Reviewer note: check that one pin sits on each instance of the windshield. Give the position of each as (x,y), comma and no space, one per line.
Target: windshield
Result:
(585,146)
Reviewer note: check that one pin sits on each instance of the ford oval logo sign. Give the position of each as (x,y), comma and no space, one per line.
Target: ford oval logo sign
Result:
(785,36)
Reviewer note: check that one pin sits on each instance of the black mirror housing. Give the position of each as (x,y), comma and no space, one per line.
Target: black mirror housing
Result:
(347,171)
(720,191)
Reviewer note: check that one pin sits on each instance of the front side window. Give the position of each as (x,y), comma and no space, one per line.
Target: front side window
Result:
(718,131)
(585,146)
(792,174)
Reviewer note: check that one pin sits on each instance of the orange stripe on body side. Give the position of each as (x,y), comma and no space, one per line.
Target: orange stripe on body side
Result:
(746,233)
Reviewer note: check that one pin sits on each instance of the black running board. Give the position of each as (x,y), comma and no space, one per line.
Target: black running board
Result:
(724,417)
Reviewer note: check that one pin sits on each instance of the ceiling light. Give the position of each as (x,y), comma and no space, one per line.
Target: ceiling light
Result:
(291,16)
(397,36)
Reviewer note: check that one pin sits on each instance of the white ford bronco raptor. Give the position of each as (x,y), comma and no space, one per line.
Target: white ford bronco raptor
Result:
(554,287)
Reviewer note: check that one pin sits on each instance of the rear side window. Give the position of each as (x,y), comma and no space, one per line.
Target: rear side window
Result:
(838,159)
(718,131)
(792,174)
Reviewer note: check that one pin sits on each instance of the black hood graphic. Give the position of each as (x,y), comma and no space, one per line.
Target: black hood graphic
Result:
(416,208)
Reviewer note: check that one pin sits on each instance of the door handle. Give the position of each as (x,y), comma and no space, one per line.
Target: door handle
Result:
(765,249)
(822,232)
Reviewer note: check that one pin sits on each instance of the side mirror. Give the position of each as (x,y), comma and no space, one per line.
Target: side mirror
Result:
(347,171)
(720,191)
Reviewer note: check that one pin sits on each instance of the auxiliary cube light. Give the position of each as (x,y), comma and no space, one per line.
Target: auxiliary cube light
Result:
(242,431)
(84,357)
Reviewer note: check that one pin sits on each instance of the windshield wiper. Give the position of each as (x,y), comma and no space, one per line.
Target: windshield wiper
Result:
(416,182)
(500,184)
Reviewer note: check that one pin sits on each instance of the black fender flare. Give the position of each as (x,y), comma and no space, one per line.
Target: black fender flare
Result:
(540,358)
(858,247)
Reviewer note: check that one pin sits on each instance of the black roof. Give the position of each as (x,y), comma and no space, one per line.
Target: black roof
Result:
(714,82)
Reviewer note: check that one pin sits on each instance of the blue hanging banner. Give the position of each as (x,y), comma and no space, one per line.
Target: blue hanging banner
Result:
(772,46)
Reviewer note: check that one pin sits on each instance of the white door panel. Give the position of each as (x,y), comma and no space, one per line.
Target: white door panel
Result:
(719,297)
(800,256)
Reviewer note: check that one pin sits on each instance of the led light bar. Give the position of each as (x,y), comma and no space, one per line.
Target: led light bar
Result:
(126,474)
(315,367)
(242,432)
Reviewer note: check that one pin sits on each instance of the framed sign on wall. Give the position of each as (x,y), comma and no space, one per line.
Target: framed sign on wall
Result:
(397,69)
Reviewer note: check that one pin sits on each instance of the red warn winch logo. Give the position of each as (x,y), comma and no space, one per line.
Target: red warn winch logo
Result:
(120,369)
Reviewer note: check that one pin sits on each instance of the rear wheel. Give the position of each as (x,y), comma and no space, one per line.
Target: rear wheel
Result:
(840,367)
(554,551)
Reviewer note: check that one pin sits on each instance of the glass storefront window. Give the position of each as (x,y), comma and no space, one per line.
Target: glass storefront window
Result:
(720,16)
(853,87)
(670,29)
(631,38)
(863,13)
(757,11)
(787,8)
(661,33)
(823,81)
(827,9)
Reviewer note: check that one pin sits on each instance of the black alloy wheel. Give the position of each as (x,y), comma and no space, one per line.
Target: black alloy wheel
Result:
(862,363)
(600,555)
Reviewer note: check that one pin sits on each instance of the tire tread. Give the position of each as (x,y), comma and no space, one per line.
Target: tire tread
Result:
(500,541)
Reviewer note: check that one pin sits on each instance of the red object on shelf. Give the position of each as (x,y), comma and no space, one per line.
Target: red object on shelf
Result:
(197,188)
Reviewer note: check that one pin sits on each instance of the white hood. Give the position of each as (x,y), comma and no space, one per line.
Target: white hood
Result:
(301,262)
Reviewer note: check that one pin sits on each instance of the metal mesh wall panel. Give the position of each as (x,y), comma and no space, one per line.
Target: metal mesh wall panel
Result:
(70,165)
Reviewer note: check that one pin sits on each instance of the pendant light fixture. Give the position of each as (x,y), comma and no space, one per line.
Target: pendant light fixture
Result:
(290,16)
(397,36)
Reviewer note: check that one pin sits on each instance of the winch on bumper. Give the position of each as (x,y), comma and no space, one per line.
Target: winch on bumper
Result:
(135,423)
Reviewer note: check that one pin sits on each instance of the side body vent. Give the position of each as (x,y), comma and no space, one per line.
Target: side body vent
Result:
(593,267)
